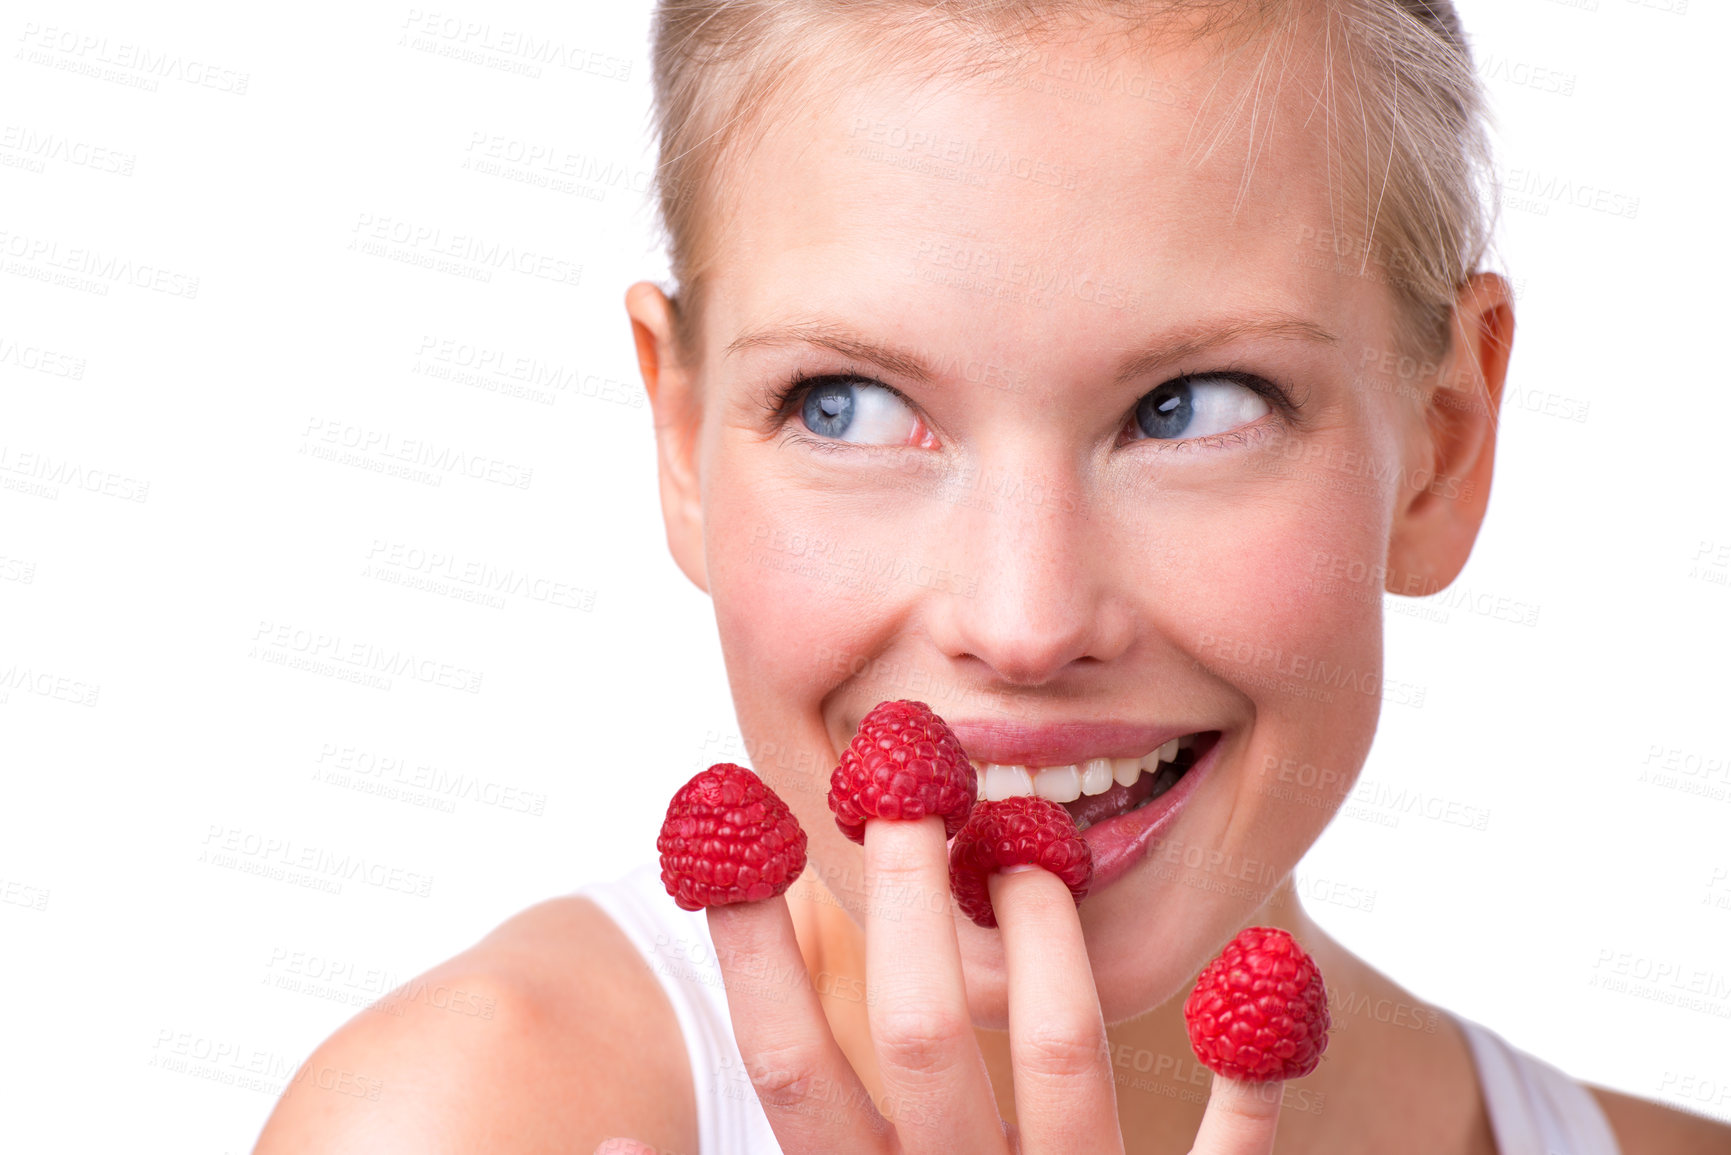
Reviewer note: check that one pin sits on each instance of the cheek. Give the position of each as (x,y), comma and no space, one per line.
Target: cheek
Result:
(1294,624)
(1274,597)
(1276,616)
(792,595)
(803,603)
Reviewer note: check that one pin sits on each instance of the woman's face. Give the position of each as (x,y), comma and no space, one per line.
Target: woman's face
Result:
(1086,448)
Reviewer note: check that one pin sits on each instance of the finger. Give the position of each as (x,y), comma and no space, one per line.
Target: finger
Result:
(809,1091)
(937,1092)
(624,1147)
(1240,1118)
(1065,1099)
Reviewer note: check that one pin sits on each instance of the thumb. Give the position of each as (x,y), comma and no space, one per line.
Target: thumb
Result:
(1240,1118)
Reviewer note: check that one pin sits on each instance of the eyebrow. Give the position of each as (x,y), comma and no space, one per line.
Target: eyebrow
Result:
(1174,346)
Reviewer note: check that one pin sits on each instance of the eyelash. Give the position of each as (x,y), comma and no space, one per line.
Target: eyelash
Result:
(780,401)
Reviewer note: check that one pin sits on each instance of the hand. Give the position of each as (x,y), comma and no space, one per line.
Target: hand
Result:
(937,1094)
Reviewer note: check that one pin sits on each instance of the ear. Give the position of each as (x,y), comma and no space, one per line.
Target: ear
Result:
(1444,495)
(673,399)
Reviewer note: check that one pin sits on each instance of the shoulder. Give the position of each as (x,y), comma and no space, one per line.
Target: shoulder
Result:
(1643,1126)
(551,1034)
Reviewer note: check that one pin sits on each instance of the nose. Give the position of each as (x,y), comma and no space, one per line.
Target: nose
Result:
(1042,596)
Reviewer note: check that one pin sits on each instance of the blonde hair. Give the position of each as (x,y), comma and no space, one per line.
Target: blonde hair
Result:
(1405,113)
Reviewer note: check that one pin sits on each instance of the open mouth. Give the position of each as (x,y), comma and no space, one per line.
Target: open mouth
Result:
(1100,788)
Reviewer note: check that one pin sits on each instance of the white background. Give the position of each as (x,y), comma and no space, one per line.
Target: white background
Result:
(146,725)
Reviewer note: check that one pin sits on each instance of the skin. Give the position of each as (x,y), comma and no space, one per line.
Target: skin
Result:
(1105,593)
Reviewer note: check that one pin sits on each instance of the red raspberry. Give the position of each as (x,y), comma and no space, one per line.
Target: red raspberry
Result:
(728,838)
(1015,831)
(904,762)
(1259,1011)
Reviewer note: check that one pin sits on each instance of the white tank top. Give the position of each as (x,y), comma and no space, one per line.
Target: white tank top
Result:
(1534,1108)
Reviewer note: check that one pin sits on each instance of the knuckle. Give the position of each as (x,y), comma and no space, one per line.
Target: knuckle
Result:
(1057,1051)
(783,1077)
(919,1041)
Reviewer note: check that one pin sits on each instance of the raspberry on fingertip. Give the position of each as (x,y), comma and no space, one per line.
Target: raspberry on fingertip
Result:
(728,838)
(904,763)
(1259,1012)
(1023,830)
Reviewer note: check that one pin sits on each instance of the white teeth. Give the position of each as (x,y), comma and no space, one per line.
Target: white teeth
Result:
(1097,776)
(1001,782)
(997,781)
(1059,783)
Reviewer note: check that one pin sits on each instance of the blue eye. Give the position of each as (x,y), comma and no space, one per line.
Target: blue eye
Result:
(829,409)
(1199,406)
(859,411)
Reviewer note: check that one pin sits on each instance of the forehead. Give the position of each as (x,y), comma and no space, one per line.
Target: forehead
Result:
(1072,195)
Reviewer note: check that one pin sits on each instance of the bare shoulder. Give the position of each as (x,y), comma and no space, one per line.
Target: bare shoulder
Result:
(550,1034)
(1645,1126)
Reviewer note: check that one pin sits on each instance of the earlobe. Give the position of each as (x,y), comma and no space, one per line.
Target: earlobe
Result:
(1444,496)
(673,400)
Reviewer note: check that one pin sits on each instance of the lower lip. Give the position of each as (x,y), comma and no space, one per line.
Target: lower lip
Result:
(1120,843)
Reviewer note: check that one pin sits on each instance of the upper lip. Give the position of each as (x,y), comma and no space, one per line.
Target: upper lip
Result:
(1061,743)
